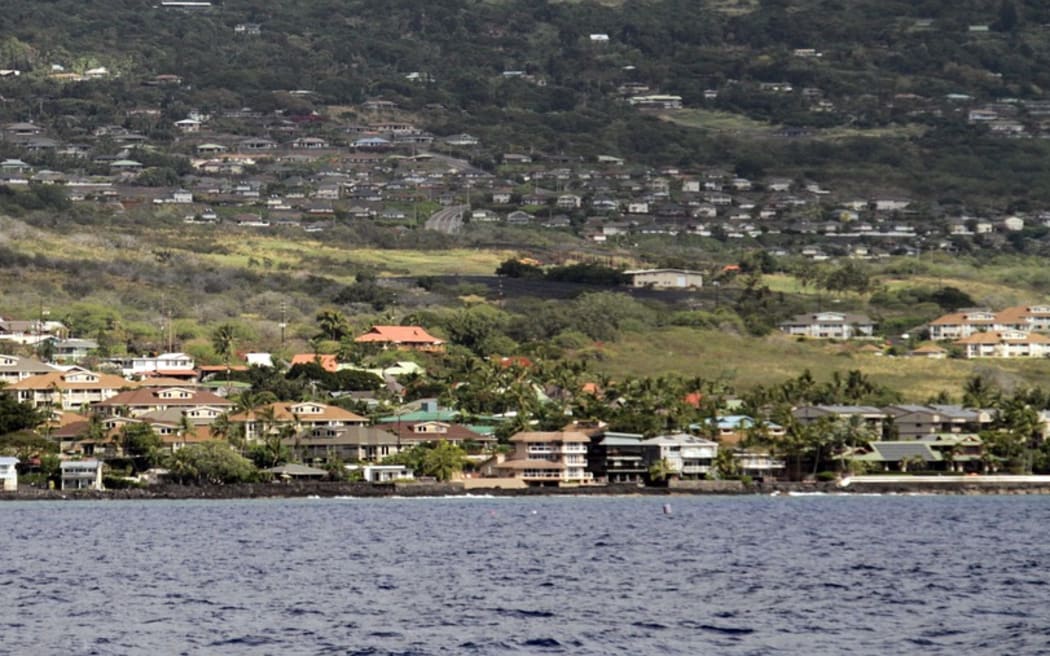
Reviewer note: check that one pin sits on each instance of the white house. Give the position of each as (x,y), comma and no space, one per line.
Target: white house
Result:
(686,455)
(81,475)
(8,474)
(666,278)
(830,325)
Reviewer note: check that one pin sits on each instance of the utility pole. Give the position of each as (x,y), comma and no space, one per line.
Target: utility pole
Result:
(284,321)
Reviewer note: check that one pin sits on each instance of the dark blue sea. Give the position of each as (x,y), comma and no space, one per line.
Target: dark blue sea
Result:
(565,575)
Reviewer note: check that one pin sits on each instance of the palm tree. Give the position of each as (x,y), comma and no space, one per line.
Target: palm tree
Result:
(660,471)
(334,325)
(224,341)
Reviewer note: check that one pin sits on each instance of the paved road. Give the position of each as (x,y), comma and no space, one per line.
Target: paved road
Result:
(447,220)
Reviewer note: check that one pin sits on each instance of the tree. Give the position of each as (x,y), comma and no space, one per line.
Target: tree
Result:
(224,341)
(661,471)
(16,416)
(140,442)
(443,460)
(726,466)
(334,325)
(210,463)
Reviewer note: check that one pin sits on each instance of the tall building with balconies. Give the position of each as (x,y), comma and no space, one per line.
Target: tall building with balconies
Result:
(548,458)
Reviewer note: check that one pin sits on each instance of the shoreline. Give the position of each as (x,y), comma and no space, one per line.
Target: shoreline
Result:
(290,490)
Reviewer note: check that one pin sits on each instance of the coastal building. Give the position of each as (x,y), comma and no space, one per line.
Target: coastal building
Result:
(8,474)
(81,475)
(325,444)
(617,458)
(421,432)
(382,473)
(686,456)
(913,422)
(871,417)
(548,458)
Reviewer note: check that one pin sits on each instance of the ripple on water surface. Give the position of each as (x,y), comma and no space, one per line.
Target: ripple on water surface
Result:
(871,575)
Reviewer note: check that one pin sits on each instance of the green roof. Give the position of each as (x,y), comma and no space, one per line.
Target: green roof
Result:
(422,415)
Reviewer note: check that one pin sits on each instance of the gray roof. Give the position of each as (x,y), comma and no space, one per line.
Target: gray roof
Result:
(293,469)
(897,451)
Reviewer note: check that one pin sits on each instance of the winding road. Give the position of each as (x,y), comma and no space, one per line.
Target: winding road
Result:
(447,220)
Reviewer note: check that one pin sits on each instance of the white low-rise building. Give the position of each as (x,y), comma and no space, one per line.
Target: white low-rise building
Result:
(82,475)
(9,474)
(686,456)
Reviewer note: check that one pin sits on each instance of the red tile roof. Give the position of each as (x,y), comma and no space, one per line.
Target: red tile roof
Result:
(327,361)
(399,335)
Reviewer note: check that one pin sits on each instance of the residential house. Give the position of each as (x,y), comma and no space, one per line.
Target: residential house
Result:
(412,338)
(8,474)
(14,368)
(81,475)
(874,419)
(418,432)
(383,473)
(301,416)
(617,458)
(177,365)
(138,402)
(686,456)
(348,443)
(957,325)
(70,389)
(830,325)
(912,422)
(548,458)
(1005,344)
(666,278)
(326,361)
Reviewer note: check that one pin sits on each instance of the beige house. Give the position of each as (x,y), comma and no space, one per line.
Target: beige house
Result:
(548,458)
(1005,344)
(303,416)
(69,389)
(666,278)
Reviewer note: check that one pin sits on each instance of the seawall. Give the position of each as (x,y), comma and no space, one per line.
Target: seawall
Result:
(898,485)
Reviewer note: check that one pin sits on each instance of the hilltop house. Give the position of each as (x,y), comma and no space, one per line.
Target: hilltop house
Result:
(666,278)
(962,324)
(830,325)
(1005,344)
(402,337)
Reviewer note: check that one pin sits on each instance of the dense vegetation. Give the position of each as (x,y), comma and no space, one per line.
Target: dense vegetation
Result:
(343,53)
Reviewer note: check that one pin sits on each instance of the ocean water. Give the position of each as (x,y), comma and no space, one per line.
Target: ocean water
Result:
(562,575)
